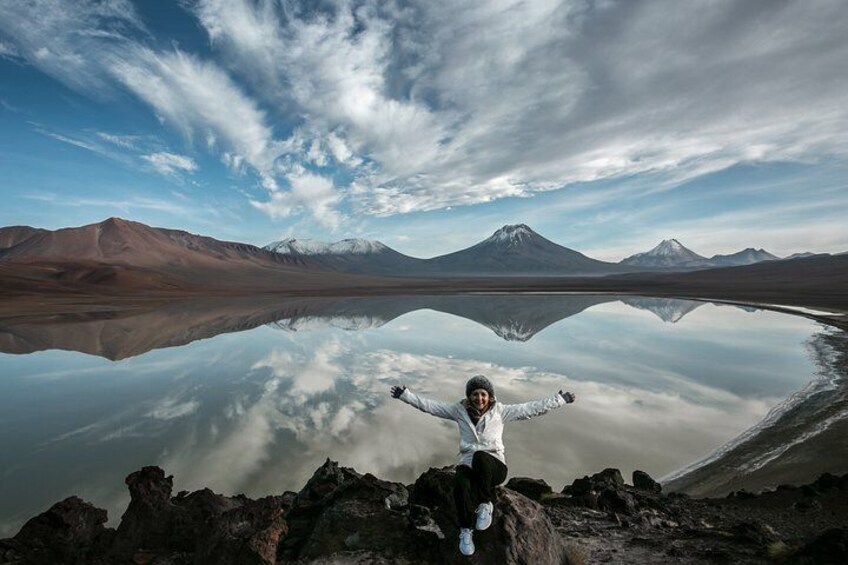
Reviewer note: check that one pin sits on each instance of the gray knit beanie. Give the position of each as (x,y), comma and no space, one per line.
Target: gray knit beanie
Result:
(479,381)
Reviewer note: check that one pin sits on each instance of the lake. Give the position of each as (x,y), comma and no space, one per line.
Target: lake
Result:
(251,397)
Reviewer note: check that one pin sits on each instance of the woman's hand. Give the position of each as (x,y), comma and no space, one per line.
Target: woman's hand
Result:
(396,391)
(569,397)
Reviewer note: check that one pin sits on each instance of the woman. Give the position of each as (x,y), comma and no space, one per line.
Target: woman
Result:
(482,465)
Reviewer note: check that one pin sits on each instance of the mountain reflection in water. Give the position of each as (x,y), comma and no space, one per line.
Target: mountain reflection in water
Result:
(258,411)
(118,334)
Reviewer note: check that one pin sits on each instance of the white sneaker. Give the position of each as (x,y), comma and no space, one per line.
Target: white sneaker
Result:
(466,544)
(484,515)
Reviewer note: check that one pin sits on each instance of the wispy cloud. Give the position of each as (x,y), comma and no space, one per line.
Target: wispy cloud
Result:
(170,164)
(400,109)
(551,94)
(85,142)
(71,41)
(198,98)
(125,141)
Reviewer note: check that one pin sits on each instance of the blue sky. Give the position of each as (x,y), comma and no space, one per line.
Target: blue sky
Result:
(606,126)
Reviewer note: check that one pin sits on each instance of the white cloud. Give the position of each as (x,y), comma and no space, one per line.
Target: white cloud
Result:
(198,98)
(422,114)
(550,94)
(308,191)
(125,141)
(70,41)
(170,164)
(171,408)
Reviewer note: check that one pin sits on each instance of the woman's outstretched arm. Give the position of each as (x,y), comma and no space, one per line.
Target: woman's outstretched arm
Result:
(434,407)
(534,408)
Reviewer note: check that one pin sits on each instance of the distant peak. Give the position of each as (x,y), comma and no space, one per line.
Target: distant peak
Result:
(515,228)
(293,246)
(512,234)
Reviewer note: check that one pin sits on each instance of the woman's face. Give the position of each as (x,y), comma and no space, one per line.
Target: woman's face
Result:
(479,399)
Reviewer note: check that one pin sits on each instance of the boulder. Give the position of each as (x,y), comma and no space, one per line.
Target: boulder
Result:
(340,513)
(617,501)
(644,481)
(71,532)
(534,489)
(608,478)
(521,531)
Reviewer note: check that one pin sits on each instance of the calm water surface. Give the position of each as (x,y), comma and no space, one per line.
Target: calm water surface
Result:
(660,384)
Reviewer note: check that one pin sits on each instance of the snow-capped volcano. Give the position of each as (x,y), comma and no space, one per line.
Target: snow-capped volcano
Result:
(292,246)
(669,253)
(512,235)
(362,256)
(516,250)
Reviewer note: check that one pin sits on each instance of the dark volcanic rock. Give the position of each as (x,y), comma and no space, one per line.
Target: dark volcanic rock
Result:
(521,531)
(608,478)
(246,535)
(618,501)
(340,512)
(534,489)
(148,520)
(341,516)
(643,481)
(209,526)
(71,531)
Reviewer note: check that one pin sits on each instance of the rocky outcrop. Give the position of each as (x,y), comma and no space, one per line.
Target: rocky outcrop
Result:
(521,532)
(71,531)
(341,516)
(535,489)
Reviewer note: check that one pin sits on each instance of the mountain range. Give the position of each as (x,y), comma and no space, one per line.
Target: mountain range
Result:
(511,250)
(671,254)
(124,258)
(123,254)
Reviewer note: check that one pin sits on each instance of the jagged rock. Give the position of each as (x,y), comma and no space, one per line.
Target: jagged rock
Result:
(246,535)
(579,487)
(148,521)
(643,481)
(340,512)
(608,478)
(533,489)
(71,532)
(341,516)
(210,527)
(521,531)
(617,501)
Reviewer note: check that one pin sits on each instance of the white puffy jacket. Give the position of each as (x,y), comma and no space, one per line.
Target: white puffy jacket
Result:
(487,435)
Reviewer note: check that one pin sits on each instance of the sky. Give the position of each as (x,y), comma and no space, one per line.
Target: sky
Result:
(604,125)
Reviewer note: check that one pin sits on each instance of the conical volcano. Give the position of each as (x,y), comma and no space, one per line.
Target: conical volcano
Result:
(517,250)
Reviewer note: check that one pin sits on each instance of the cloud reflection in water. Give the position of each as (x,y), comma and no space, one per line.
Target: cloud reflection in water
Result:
(258,411)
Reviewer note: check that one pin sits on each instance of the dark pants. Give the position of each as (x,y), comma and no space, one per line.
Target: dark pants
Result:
(475,485)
